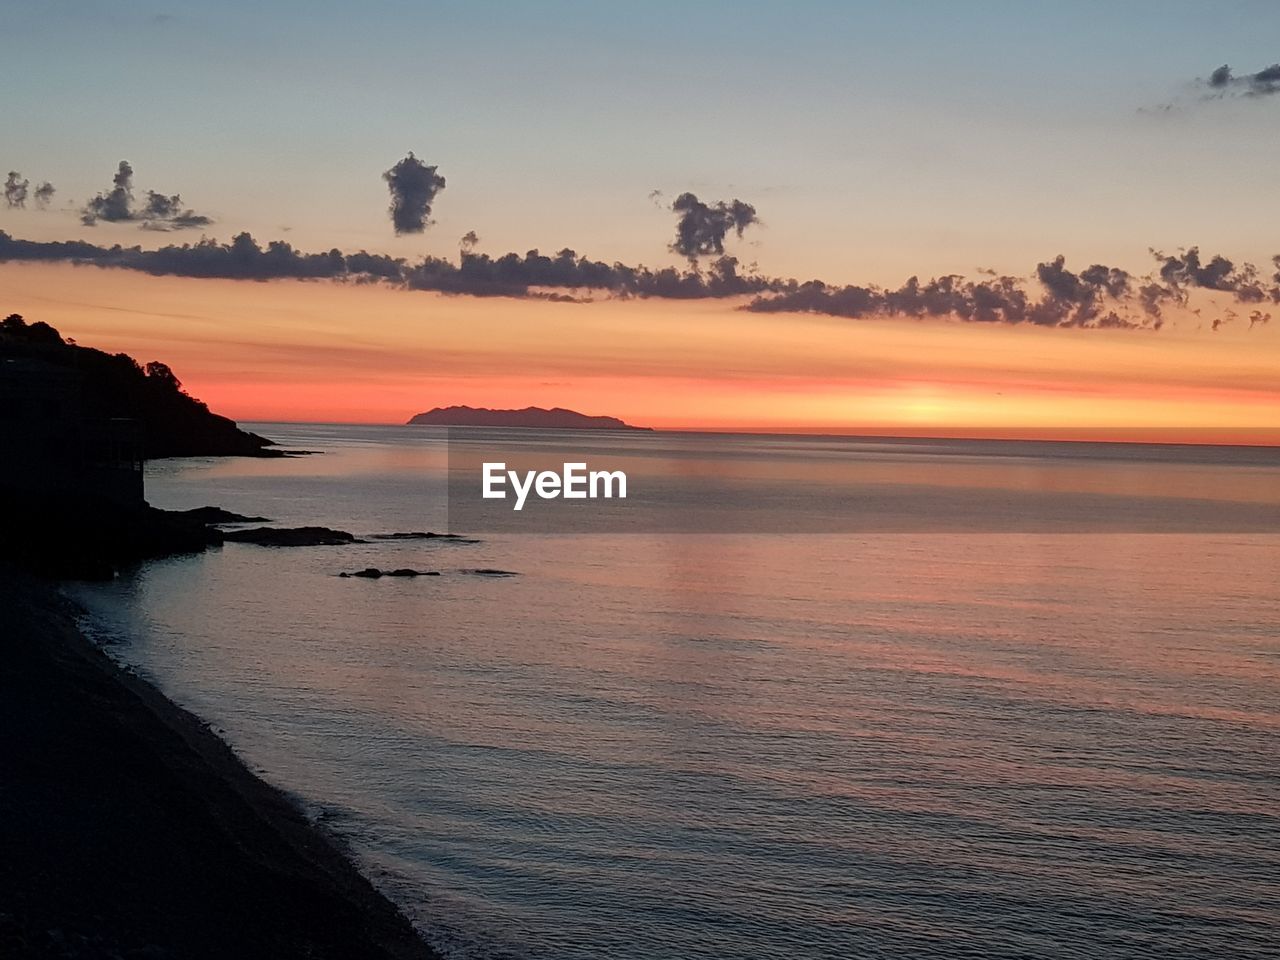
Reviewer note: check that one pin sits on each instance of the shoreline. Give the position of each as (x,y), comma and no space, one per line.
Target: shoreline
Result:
(131,830)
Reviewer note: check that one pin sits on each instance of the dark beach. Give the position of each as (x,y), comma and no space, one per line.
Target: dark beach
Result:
(130,830)
(127,828)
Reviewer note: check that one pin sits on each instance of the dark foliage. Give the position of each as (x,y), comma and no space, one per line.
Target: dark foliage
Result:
(173,423)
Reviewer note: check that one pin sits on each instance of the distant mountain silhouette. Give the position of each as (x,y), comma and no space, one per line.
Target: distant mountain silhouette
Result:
(557,418)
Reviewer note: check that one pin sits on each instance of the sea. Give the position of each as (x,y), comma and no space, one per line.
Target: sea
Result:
(1035,713)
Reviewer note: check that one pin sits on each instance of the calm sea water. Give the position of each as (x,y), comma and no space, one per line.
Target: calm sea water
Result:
(922,744)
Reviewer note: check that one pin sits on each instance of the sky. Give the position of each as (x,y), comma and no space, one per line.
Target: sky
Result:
(875,142)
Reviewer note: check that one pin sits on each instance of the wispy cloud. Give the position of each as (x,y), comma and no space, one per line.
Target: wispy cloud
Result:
(17,188)
(1223,82)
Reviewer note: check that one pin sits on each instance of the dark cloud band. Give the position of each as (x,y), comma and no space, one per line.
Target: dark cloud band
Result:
(1096,297)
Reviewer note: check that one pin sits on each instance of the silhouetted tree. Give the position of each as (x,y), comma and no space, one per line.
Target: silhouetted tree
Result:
(161,373)
(15,327)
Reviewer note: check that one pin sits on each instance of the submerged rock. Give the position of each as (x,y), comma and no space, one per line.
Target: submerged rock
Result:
(291,537)
(491,572)
(373,573)
(421,535)
(214,515)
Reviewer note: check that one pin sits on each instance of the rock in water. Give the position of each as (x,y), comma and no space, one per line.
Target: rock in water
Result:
(373,573)
(215,515)
(291,537)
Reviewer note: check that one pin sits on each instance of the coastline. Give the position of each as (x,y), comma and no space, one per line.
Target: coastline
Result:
(131,830)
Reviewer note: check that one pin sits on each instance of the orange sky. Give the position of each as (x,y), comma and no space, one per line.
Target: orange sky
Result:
(289,350)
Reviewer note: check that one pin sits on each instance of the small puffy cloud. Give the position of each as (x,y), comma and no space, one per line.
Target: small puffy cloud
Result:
(701,228)
(414,186)
(161,211)
(15,190)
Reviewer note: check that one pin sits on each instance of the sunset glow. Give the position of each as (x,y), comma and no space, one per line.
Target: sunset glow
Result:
(288,350)
(662,481)
(576,230)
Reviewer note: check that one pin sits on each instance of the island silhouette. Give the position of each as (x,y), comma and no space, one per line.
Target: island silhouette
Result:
(557,418)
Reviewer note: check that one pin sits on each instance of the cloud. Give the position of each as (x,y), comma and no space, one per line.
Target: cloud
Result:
(516,275)
(241,259)
(996,300)
(1186,270)
(1095,297)
(469,241)
(15,190)
(532,274)
(114,205)
(1098,297)
(702,227)
(1067,300)
(414,186)
(161,211)
(1076,300)
(167,213)
(1220,77)
(1223,83)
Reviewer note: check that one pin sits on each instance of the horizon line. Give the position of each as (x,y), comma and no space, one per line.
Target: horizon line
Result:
(1252,437)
